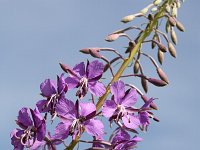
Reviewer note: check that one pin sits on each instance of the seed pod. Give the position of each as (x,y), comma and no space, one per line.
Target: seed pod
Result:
(173,36)
(128,18)
(172,50)
(162,47)
(136,67)
(157,82)
(152,105)
(144,84)
(162,75)
(172,21)
(180,26)
(155,38)
(160,56)
(167,27)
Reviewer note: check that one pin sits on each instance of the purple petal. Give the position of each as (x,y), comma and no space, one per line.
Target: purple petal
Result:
(137,139)
(38,145)
(121,135)
(95,69)
(94,127)
(131,121)
(37,118)
(62,86)
(24,117)
(109,108)
(41,131)
(130,99)
(15,141)
(65,108)
(144,119)
(86,108)
(41,105)
(80,69)
(72,82)
(97,88)
(118,90)
(48,88)
(61,131)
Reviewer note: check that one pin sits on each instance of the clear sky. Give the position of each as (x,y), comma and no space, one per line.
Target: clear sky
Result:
(35,35)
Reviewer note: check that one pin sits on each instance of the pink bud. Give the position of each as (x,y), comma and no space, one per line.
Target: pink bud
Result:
(157,82)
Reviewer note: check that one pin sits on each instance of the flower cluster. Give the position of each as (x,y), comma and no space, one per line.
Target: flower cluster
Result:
(93,101)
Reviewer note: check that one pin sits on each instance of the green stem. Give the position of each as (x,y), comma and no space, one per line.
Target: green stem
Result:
(126,62)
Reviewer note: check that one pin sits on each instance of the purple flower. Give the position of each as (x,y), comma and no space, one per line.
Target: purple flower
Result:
(123,141)
(79,117)
(53,93)
(86,78)
(118,107)
(33,128)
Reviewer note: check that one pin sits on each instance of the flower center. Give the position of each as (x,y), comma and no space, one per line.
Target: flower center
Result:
(84,82)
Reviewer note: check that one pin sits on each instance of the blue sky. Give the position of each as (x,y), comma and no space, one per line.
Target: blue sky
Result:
(36,35)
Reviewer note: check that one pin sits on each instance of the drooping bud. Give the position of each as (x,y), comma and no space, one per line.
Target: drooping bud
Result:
(168,8)
(144,84)
(180,26)
(172,50)
(162,75)
(113,37)
(172,21)
(173,36)
(162,47)
(160,56)
(156,119)
(154,9)
(136,67)
(167,27)
(174,11)
(130,47)
(157,82)
(128,18)
(95,53)
(150,17)
(67,69)
(87,50)
(144,11)
(157,2)
(152,105)
(155,38)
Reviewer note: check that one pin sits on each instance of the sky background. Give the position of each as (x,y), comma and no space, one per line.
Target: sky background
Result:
(35,35)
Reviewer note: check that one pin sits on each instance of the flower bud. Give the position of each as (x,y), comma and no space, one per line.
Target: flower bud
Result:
(167,27)
(172,50)
(172,21)
(144,84)
(154,9)
(150,17)
(168,8)
(112,37)
(136,67)
(144,11)
(95,53)
(180,26)
(174,11)
(87,50)
(157,2)
(173,36)
(128,18)
(130,47)
(156,119)
(162,47)
(162,75)
(160,56)
(157,82)
(152,105)
(155,38)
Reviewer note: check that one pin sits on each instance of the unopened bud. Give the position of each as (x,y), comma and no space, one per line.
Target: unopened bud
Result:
(155,38)
(172,21)
(113,37)
(144,11)
(172,49)
(130,47)
(87,50)
(162,75)
(144,84)
(180,26)
(154,9)
(156,119)
(95,53)
(152,105)
(167,27)
(128,18)
(157,82)
(157,2)
(162,47)
(174,11)
(136,67)
(173,36)
(150,17)
(160,56)
(168,8)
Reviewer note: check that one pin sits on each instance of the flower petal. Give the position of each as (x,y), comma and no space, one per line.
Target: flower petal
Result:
(80,69)
(97,88)
(72,82)
(144,118)
(61,131)
(109,108)
(41,105)
(65,108)
(131,121)
(130,98)
(62,86)
(121,135)
(94,127)
(24,117)
(37,118)
(86,108)
(95,69)
(48,88)
(41,131)
(118,90)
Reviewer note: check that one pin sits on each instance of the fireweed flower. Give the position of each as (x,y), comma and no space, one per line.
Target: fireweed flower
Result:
(86,78)
(32,126)
(79,117)
(118,107)
(123,141)
(53,93)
